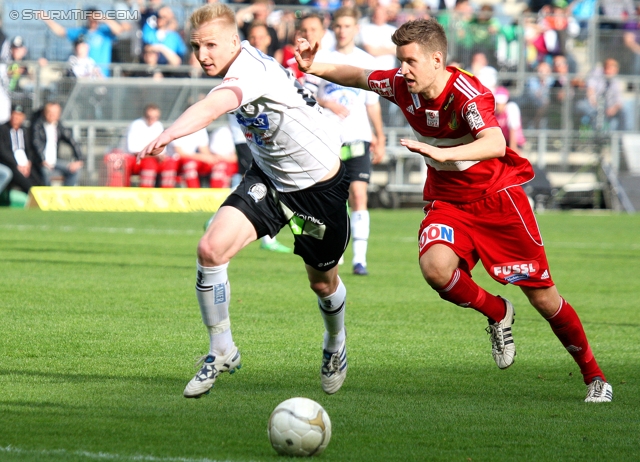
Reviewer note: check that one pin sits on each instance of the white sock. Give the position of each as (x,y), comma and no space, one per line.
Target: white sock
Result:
(332,310)
(360,236)
(268,239)
(214,294)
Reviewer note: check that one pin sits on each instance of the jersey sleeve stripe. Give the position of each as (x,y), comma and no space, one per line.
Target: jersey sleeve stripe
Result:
(466,88)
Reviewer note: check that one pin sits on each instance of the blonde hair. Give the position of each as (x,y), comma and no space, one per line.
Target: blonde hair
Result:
(213,12)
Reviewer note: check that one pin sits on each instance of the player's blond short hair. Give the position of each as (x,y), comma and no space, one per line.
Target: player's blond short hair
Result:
(213,12)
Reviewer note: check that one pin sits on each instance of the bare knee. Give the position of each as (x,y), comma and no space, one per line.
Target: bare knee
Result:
(545,300)
(323,284)
(437,265)
(209,253)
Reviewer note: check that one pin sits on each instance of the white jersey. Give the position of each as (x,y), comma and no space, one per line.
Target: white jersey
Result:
(189,144)
(354,127)
(291,142)
(139,134)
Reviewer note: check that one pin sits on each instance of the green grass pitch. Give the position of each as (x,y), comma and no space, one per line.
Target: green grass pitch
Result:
(100,325)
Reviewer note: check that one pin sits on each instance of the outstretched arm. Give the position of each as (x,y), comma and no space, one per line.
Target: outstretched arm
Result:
(342,74)
(195,118)
(489,144)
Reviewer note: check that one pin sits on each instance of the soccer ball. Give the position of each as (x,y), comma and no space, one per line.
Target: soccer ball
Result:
(299,427)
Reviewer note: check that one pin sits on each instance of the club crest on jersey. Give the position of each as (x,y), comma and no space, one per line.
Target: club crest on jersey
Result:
(381,87)
(515,271)
(453,122)
(249,109)
(446,106)
(474,119)
(433,118)
(257,191)
(436,232)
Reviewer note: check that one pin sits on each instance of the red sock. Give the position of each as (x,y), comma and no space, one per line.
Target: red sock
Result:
(462,291)
(568,328)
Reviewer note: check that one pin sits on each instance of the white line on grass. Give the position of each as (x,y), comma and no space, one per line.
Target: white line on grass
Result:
(99,455)
(71,229)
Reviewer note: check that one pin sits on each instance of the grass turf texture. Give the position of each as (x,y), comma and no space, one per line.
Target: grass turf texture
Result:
(100,325)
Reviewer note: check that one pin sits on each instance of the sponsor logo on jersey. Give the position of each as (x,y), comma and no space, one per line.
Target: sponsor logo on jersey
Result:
(436,232)
(229,79)
(516,277)
(261,122)
(474,119)
(382,87)
(453,122)
(322,265)
(219,294)
(545,275)
(257,191)
(433,118)
(416,100)
(515,271)
(410,110)
(446,106)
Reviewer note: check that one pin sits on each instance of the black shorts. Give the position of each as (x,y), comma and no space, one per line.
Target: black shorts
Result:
(358,166)
(317,216)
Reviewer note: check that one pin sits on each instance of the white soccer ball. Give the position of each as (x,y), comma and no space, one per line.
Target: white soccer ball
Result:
(299,427)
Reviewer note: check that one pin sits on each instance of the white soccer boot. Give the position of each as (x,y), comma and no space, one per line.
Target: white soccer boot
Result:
(210,368)
(502,347)
(334,369)
(599,391)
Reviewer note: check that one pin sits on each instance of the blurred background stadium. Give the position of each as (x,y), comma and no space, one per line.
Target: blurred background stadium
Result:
(546,53)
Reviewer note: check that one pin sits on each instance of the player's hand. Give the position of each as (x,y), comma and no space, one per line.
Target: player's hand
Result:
(337,108)
(305,53)
(156,147)
(424,149)
(378,149)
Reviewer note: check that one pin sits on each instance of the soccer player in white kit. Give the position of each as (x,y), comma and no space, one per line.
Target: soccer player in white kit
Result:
(296,178)
(353,108)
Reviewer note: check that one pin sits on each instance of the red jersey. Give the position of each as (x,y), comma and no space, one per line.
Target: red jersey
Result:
(455,117)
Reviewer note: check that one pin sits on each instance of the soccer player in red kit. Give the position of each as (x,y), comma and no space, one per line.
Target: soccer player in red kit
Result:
(476,208)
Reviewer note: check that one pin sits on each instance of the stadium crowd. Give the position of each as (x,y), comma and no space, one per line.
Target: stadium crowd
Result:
(486,39)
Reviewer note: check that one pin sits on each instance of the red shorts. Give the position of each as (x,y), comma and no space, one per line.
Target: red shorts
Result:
(500,230)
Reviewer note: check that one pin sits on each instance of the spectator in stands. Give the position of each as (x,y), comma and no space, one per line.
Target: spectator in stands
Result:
(16,68)
(99,32)
(456,21)
(16,151)
(258,36)
(47,133)
(563,85)
(631,39)
(535,99)
(140,133)
(166,40)
(602,109)
(222,146)
(508,116)
(258,13)
(193,156)
(479,67)
(81,65)
(150,58)
(375,38)
(557,29)
(483,32)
